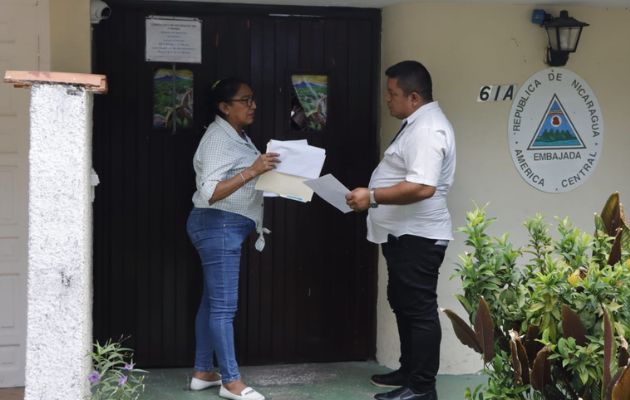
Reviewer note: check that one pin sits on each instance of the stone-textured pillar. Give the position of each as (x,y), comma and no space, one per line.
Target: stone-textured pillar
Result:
(59,322)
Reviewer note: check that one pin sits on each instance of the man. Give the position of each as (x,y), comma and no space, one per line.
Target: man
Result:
(408,215)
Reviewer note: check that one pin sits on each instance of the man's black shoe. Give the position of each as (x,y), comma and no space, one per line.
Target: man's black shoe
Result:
(404,393)
(393,379)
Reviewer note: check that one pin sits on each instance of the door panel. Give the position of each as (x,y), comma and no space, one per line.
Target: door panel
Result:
(23,34)
(311,295)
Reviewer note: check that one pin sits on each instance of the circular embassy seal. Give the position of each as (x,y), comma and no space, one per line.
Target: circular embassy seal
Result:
(555,130)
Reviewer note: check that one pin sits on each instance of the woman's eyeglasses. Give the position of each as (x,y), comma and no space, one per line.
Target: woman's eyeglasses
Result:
(248,101)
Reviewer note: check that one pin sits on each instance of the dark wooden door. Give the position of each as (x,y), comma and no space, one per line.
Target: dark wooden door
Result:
(311,295)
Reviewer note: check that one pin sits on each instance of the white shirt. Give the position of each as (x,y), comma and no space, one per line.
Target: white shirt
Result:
(424,153)
(222,154)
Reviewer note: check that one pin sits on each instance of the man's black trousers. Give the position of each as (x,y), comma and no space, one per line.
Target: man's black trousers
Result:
(413,263)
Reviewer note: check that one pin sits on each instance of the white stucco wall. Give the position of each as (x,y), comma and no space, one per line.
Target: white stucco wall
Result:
(465,47)
(59,334)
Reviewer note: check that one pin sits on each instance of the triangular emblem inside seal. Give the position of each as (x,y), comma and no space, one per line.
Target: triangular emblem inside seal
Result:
(556,131)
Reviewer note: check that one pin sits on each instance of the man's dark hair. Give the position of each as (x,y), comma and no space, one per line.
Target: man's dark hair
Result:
(412,77)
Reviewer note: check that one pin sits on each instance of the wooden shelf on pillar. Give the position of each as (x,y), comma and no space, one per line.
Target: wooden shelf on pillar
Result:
(91,82)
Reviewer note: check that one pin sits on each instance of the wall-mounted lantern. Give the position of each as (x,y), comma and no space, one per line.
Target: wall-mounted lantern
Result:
(99,10)
(563,33)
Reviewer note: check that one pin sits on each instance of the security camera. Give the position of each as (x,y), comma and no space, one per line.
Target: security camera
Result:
(99,11)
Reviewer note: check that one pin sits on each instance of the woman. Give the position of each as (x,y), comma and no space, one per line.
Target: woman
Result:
(227,208)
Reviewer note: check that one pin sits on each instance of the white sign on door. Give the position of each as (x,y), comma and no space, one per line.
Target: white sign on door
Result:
(555,131)
(173,40)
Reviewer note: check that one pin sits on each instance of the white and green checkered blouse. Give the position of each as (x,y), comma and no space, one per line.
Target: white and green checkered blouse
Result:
(222,154)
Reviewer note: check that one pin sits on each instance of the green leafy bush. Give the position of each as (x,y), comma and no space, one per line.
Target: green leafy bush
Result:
(114,376)
(550,318)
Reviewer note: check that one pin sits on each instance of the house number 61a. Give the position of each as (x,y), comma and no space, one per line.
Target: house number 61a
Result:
(496,92)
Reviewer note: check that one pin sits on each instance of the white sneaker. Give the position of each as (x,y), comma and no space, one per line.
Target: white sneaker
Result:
(200,384)
(247,394)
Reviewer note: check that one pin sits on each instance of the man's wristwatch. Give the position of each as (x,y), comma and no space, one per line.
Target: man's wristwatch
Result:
(373,203)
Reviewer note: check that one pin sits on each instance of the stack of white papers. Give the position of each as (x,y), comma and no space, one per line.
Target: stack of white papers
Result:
(299,162)
(297,175)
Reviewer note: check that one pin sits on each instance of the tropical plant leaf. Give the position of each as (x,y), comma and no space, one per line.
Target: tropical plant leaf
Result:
(623,358)
(484,330)
(540,374)
(520,363)
(625,237)
(516,362)
(465,303)
(621,390)
(572,325)
(609,389)
(622,355)
(611,214)
(501,341)
(608,347)
(532,345)
(522,355)
(615,252)
(567,382)
(464,333)
(599,223)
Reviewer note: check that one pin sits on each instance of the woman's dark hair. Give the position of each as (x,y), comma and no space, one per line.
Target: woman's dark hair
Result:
(412,77)
(223,90)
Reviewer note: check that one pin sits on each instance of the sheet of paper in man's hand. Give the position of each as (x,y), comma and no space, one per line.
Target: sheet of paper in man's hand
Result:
(330,189)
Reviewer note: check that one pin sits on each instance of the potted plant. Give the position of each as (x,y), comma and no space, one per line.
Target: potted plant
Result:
(550,318)
(114,376)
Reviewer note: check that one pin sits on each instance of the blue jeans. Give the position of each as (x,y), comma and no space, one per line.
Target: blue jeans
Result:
(218,236)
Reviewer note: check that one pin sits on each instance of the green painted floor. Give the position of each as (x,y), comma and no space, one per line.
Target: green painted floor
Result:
(331,381)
